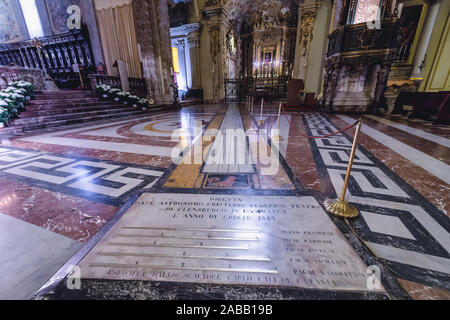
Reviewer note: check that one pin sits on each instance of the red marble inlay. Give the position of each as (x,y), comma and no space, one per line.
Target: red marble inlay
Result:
(76,218)
(431,148)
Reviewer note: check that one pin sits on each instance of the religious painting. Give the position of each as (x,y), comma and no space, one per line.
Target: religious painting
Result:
(9,30)
(218,181)
(408,29)
(267,57)
(57,12)
(367,11)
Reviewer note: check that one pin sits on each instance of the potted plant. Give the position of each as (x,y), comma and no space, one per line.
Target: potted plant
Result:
(114,94)
(4,114)
(143,104)
(26,88)
(103,91)
(122,95)
(133,100)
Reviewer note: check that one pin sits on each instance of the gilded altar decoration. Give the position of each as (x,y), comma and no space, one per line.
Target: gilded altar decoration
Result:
(308,16)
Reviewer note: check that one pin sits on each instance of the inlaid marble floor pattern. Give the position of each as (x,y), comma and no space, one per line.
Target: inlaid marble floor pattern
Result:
(58,188)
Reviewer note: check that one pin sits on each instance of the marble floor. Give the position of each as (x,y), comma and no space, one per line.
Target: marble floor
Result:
(58,188)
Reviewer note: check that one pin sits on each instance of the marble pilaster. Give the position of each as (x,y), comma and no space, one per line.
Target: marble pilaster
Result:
(306,15)
(216,15)
(152,17)
(424,41)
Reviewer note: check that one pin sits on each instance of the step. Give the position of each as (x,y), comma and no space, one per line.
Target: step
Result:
(61,101)
(62,105)
(65,96)
(67,116)
(62,92)
(62,110)
(26,130)
(60,123)
(37,108)
(39,96)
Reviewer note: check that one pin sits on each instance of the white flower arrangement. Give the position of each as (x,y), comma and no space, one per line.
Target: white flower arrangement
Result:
(21,84)
(12,100)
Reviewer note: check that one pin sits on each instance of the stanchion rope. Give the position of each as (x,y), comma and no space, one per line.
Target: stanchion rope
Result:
(319,137)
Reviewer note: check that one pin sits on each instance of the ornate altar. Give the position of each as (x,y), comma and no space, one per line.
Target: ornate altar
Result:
(260,48)
(358,63)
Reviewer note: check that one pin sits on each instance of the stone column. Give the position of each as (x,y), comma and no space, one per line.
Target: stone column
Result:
(194,47)
(216,15)
(182,62)
(151,19)
(424,41)
(188,35)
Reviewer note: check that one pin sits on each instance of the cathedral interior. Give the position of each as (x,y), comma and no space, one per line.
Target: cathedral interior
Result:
(194,149)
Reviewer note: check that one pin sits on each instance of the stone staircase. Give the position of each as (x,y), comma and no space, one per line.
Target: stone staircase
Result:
(51,109)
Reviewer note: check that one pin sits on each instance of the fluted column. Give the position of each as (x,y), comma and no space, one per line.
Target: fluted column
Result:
(421,51)
(194,47)
(182,62)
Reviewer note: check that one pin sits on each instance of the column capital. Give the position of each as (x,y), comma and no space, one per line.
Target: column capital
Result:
(194,40)
(180,43)
(185,30)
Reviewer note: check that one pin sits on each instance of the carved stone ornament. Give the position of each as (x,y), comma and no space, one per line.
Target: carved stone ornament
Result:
(184,30)
(215,3)
(194,40)
(308,16)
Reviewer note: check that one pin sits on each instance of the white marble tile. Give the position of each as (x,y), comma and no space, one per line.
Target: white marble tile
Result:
(388,225)
(230,152)
(29,257)
(429,223)
(392,189)
(129,183)
(437,168)
(412,258)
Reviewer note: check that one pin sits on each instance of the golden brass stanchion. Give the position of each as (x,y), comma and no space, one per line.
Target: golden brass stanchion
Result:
(341,208)
(261,121)
(253,104)
(278,137)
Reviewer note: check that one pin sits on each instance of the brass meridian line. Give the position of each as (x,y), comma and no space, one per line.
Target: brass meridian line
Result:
(185,238)
(132,266)
(175,246)
(181,229)
(120,254)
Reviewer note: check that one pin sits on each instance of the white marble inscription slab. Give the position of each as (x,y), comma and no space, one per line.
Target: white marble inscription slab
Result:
(221,239)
